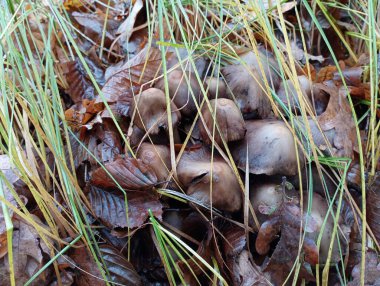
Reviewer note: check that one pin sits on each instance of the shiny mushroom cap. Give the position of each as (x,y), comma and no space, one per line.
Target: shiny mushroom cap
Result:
(271,149)
(197,173)
(182,92)
(151,112)
(229,120)
(157,157)
(246,82)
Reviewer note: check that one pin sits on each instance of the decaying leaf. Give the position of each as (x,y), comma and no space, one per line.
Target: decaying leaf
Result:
(79,86)
(338,116)
(81,112)
(129,173)
(371,272)
(29,253)
(243,270)
(373,202)
(126,81)
(287,221)
(111,208)
(119,269)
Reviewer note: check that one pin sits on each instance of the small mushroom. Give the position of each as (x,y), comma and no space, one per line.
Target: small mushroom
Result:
(288,95)
(229,120)
(157,157)
(182,92)
(246,82)
(271,149)
(197,174)
(151,112)
(216,87)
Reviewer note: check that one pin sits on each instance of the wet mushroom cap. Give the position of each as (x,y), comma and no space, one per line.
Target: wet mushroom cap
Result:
(229,119)
(197,173)
(246,82)
(157,157)
(151,112)
(182,92)
(271,149)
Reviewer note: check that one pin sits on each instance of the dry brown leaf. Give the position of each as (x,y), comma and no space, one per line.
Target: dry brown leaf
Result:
(82,112)
(127,80)
(111,208)
(131,174)
(338,116)
(244,271)
(371,272)
(119,268)
(287,221)
(28,254)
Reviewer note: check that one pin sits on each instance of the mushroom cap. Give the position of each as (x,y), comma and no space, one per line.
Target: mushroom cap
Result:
(264,195)
(151,111)
(196,173)
(271,149)
(157,157)
(305,85)
(181,92)
(318,213)
(216,87)
(246,82)
(229,119)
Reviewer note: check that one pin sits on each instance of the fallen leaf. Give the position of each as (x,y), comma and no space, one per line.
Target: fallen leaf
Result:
(287,221)
(120,269)
(78,85)
(129,173)
(92,25)
(127,80)
(125,30)
(338,116)
(28,254)
(373,205)
(81,112)
(111,208)
(302,56)
(371,271)
(244,271)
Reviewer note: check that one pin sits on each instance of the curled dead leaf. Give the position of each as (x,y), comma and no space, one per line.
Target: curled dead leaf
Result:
(129,173)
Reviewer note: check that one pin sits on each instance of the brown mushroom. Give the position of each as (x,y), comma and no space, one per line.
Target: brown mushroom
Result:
(151,112)
(197,174)
(157,157)
(216,87)
(182,92)
(229,120)
(288,95)
(271,149)
(246,82)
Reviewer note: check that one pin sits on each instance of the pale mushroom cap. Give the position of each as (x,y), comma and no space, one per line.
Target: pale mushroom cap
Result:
(246,82)
(151,112)
(196,173)
(319,210)
(216,87)
(271,149)
(228,118)
(292,98)
(157,157)
(181,92)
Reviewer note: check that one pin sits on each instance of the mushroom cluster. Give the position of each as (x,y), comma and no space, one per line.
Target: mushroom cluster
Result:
(233,111)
